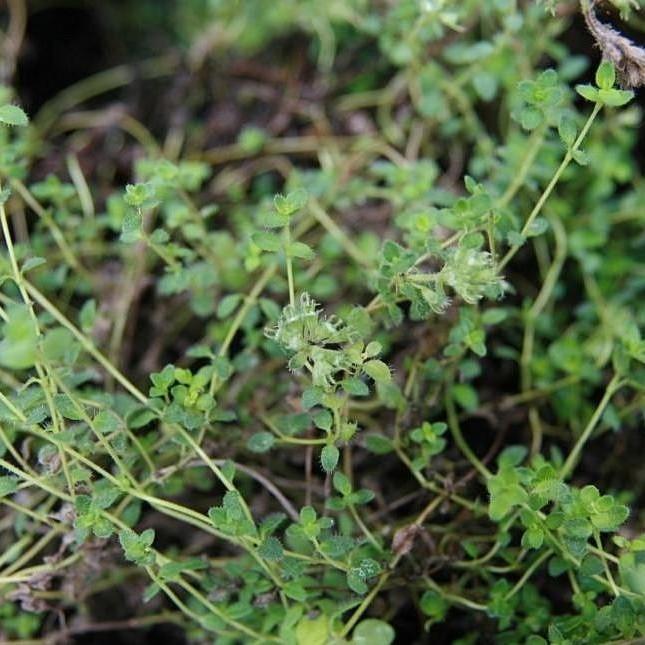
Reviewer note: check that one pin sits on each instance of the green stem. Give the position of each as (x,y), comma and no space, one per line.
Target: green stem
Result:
(601,551)
(368,534)
(367,601)
(528,573)
(54,229)
(534,144)
(249,301)
(614,385)
(453,423)
(552,184)
(337,233)
(87,344)
(289,263)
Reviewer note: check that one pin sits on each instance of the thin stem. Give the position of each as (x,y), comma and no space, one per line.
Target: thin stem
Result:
(289,263)
(528,573)
(249,301)
(453,423)
(367,601)
(80,183)
(534,144)
(552,184)
(337,233)
(21,283)
(529,329)
(601,551)
(87,344)
(368,534)
(614,385)
(100,437)
(54,229)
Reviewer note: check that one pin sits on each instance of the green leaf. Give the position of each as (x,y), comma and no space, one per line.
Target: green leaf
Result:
(512,456)
(323,419)
(60,346)
(87,315)
(533,538)
(159,237)
(295,591)
(269,308)
(538,226)
(13,115)
(140,196)
(505,493)
(105,496)
(605,75)
(577,527)
(329,458)
(8,485)
(139,417)
(307,515)
(373,349)
(32,263)
(341,484)
(311,397)
(271,523)
(137,547)
(610,519)
(232,505)
(311,631)
(131,227)
(531,117)
(515,238)
(356,581)
(534,639)
(68,408)
(162,380)
(273,220)
(362,496)
(172,570)
(591,565)
(434,605)
(271,549)
(632,571)
(465,395)
(228,470)
(378,444)
(567,130)
(378,370)
(372,631)
(355,387)
(18,347)
(293,202)
(588,92)
(228,304)
(261,442)
(580,157)
(301,250)
(485,85)
(557,566)
(107,422)
(494,316)
(267,241)
(212,622)
(615,98)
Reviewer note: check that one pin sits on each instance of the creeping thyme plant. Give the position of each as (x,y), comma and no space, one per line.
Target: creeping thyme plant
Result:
(362,361)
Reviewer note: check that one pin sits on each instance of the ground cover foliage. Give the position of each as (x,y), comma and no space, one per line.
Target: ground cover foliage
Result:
(322,323)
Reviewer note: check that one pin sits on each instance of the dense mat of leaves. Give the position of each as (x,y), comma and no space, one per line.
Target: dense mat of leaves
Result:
(345,346)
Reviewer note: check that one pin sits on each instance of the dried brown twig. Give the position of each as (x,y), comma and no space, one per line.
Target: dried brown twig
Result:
(627,57)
